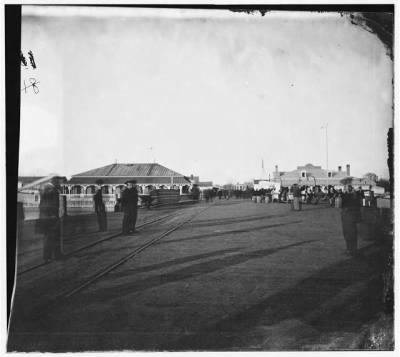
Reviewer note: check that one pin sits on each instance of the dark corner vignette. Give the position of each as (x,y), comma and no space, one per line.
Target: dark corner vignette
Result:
(376,19)
(12,17)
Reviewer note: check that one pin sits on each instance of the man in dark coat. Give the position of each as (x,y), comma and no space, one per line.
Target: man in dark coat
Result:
(296,204)
(350,217)
(129,201)
(195,193)
(49,219)
(100,208)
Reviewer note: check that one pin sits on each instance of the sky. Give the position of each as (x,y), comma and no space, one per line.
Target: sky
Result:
(209,93)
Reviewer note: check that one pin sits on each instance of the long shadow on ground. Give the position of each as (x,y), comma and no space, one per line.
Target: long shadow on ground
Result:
(296,302)
(227,232)
(233,220)
(189,272)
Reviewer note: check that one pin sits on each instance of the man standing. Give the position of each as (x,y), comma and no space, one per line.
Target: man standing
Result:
(195,192)
(350,217)
(296,205)
(100,207)
(49,219)
(129,200)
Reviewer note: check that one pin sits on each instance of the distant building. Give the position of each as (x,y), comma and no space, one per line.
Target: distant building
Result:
(262,182)
(202,185)
(194,179)
(114,177)
(243,186)
(369,179)
(205,185)
(311,175)
(259,184)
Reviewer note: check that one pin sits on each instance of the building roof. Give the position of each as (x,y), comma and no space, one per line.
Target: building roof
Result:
(24,180)
(119,173)
(257,181)
(308,167)
(313,175)
(317,171)
(130,170)
(205,184)
(141,180)
(39,182)
(309,181)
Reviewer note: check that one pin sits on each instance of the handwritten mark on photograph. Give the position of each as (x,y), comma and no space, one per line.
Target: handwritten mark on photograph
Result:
(33,85)
(31,82)
(24,63)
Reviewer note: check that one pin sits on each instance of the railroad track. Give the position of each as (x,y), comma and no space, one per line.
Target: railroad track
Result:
(92,244)
(110,267)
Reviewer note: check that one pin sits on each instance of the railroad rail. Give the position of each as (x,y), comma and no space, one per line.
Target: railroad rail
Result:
(92,244)
(110,267)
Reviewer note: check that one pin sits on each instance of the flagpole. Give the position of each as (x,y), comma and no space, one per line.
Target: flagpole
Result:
(151,149)
(327,163)
(326,149)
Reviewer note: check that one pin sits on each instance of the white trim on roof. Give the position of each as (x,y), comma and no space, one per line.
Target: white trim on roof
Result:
(112,176)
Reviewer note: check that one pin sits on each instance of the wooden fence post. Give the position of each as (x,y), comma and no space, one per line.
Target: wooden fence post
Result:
(63,213)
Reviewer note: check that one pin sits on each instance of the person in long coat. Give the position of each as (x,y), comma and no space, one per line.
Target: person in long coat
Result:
(296,204)
(350,217)
(49,219)
(129,201)
(100,207)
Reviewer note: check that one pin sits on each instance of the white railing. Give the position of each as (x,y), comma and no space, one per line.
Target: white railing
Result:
(32,199)
(29,199)
(86,200)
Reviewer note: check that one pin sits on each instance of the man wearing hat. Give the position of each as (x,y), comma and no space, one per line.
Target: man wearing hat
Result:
(129,200)
(350,217)
(100,207)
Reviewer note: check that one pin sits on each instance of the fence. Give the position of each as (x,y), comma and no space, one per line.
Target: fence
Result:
(32,199)
(86,201)
(76,203)
(29,199)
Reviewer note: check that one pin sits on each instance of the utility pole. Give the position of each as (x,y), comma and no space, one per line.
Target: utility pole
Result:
(326,149)
(326,137)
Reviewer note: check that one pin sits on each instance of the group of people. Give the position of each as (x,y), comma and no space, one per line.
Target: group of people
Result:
(348,199)
(49,222)
(210,194)
(129,205)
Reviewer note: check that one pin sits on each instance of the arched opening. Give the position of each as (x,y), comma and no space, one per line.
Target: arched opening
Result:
(76,190)
(91,190)
(119,189)
(106,190)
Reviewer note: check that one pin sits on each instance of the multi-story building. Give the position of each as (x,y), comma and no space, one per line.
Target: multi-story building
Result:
(311,175)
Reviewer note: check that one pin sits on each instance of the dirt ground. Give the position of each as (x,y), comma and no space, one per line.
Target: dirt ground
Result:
(239,276)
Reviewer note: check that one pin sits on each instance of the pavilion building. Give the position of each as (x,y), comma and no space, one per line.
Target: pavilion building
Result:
(115,175)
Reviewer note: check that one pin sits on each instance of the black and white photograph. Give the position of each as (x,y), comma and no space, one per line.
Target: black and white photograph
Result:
(204,178)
